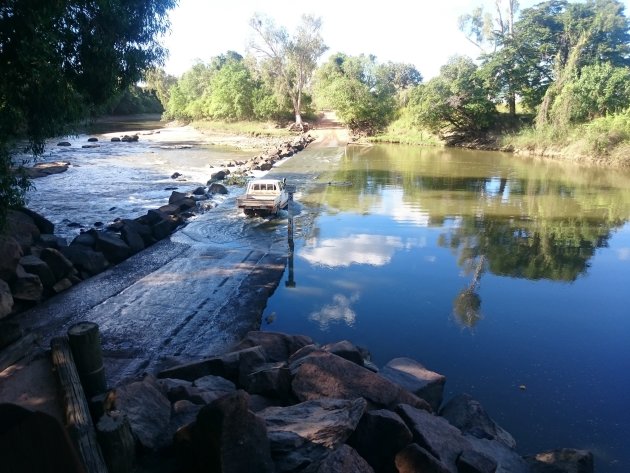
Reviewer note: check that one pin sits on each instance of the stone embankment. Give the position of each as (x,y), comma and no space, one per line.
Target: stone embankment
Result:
(282,403)
(35,264)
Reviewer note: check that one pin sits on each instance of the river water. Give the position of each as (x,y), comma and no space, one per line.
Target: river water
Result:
(510,276)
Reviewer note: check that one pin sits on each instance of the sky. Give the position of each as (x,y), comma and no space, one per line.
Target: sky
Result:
(420,32)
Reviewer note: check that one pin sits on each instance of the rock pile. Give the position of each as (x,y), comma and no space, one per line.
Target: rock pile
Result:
(281,403)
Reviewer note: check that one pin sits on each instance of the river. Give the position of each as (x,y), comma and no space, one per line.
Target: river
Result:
(508,275)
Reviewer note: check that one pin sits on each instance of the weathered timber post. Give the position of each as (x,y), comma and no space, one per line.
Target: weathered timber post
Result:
(114,435)
(85,343)
(76,412)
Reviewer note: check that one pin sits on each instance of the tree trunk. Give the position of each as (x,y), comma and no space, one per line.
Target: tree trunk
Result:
(512,104)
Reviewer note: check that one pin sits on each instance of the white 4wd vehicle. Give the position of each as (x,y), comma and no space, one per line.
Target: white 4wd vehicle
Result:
(264,197)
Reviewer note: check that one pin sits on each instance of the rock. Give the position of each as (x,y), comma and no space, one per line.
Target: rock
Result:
(322,374)
(227,366)
(27,286)
(272,380)
(564,460)
(170,209)
(415,459)
(217,176)
(92,140)
(148,411)
(277,346)
(64,143)
(87,239)
(22,227)
(132,238)
(43,224)
(10,254)
(130,138)
(34,265)
(183,413)
(469,416)
(176,196)
(85,259)
(435,435)
(343,459)
(175,175)
(415,378)
(46,169)
(114,249)
(380,435)
(6,299)
(115,139)
(216,188)
(228,438)
(57,262)
(90,146)
(9,331)
(143,230)
(507,459)
(304,433)
(214,387)
(266,166)
(199,191)
(470,461)
(347,350)
(52,241)
(62,285)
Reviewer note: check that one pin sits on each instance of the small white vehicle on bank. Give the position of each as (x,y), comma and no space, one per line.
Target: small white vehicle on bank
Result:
(264,197)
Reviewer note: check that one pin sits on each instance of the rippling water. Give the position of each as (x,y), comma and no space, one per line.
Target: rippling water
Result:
(497,271)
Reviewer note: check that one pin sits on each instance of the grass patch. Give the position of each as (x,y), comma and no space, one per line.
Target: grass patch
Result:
(605,140)
(250,128)
(403,131)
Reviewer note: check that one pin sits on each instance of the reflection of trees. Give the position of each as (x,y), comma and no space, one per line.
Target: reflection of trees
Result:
(467,304)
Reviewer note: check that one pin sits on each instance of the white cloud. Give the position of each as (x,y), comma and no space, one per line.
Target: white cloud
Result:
(624,254)
(337,312)
(375,250)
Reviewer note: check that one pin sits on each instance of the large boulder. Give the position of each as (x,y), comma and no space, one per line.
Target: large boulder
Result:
(345,349)
(113,247)
(57,262)
(85,259)
(469,416)
(34,265)
(228,438)
(415,459)
(380,435)
(148,411)
(343,459)
(272,380)
(6,299)
(435,435)
(216,176)
(277,346)
(322,374)
(43,224)
(235,366)
(48,240)
(27,286)
(10,254)
(23,229)
(132,238)
(305,433)
(217,188)
(87,239)
(141,229)
(563,460)
(470,461)
(416,379)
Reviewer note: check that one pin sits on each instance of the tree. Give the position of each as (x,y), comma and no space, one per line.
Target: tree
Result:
(60,60)
(455,102)
(160,82)
(231,92)
(290,61)
(359,90)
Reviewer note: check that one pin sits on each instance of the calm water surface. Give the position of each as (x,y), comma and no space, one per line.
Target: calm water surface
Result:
(496,271)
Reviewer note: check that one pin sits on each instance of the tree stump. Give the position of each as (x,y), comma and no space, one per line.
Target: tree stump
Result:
(85,342)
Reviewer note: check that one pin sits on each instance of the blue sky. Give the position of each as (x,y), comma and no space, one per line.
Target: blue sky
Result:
(423,33)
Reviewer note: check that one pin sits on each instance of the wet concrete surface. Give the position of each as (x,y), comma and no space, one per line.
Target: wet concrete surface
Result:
(189,296)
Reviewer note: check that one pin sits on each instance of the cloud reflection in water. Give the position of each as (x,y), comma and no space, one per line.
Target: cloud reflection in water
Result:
(337,312)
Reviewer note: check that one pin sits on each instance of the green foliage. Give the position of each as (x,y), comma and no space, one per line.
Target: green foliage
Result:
(403,130)
(455,102)
(231,93)
(359,90)
(62,59)
(160,83)
(134,100)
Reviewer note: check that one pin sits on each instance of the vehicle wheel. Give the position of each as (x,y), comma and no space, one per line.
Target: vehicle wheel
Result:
(249,212)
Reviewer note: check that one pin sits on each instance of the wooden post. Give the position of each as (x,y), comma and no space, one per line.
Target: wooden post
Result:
(85,342)
(291,281)
(116,440)
(75,407)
